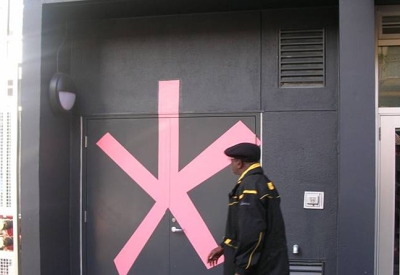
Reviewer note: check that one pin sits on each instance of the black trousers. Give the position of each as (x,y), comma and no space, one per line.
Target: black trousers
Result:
(271,263)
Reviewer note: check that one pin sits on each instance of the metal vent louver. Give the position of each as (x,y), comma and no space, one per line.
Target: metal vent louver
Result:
(306,268)
(390,26)
(302,58)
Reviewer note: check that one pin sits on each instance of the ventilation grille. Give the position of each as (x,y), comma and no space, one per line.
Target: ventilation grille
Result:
(5,160)
(306,268)
(302,58)
(390,26)
(6,261)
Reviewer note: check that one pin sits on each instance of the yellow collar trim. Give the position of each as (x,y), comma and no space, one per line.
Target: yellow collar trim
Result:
(253,166)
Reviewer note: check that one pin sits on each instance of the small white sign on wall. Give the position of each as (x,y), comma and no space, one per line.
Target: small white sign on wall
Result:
(313,200)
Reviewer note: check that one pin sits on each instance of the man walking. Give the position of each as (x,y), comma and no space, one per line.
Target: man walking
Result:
(255,240)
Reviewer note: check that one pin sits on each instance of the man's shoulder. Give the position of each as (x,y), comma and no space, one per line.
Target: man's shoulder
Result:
(255,179)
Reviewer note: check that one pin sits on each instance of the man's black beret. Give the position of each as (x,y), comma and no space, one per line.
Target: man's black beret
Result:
(245,151)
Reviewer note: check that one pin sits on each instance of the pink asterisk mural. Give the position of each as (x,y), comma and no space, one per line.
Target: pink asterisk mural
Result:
(170,189)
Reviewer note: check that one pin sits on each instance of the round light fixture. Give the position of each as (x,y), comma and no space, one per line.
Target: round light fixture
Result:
(62,93)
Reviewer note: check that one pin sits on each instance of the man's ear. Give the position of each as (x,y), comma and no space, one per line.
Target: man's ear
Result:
(240,164)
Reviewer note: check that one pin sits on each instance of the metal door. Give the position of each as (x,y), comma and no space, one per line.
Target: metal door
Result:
(388,194)
(156,192)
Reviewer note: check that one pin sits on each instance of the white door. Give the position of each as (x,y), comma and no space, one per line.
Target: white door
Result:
(388,194)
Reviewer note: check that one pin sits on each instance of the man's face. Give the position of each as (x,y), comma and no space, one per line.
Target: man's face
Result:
(236,165)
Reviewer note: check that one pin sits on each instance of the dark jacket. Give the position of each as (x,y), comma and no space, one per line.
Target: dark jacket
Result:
(255,240)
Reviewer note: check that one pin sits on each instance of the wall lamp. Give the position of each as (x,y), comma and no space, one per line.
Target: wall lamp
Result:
(62,93)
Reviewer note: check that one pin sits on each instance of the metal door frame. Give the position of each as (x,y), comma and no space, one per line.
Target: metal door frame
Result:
(389,120)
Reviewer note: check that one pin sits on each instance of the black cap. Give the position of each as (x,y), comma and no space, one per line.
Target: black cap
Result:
(245,151)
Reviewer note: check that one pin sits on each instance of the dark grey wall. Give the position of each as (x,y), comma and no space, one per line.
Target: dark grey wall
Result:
(54,152)
(356,219)
(299,154)
(30,132)
(289,99)
(117,63)
(300,137)
(102,9)
(227,62)
(44,152)
(75,196)
(300,129)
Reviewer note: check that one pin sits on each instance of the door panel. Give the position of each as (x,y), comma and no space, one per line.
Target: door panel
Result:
(211,196)
(116,205)
(123,208)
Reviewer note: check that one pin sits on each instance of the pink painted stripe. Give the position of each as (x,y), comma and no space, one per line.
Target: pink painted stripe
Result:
(168,97)
(129,253)
(174,153)
(192,223)
(212,159)
(168,134)
(164,140)
(130,165)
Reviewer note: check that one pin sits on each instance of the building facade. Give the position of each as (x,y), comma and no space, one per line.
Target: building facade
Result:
(131,181)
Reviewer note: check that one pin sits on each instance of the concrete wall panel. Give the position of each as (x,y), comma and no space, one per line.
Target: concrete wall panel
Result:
(275,98)
(117,63)
(300,154)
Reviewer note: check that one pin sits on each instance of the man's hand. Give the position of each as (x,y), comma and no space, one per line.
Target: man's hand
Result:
(214,255)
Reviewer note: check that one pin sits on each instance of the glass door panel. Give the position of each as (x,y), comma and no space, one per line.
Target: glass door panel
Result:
(389,76)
